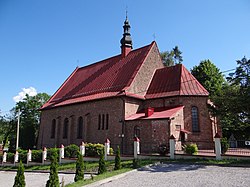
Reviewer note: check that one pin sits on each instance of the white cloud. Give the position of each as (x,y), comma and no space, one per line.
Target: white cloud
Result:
(30,91)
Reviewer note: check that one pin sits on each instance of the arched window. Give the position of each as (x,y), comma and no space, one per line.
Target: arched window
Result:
(137,131)
(103,121)
(107,121)
(99,122)
(65,128)
(53,129)
(80,128)
(195,119)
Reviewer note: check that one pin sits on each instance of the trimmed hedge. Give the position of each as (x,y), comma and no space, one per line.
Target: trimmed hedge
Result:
(71,151)
(191,149)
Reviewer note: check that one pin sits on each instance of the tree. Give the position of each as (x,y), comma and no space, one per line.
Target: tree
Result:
(30,118)
(53,177)
(102,165)
(19,178)
(170,58)
(209,76)
(8,125)
(79,168)
(241,78)
(233,102)
(117,159)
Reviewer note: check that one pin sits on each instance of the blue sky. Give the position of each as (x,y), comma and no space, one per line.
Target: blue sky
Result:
(42,41)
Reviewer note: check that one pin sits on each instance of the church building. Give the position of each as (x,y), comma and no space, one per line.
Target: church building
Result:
(129,95)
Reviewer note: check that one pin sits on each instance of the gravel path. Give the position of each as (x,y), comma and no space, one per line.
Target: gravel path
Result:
(178,175)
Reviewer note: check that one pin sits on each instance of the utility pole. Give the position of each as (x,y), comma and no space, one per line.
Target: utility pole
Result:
(17,134)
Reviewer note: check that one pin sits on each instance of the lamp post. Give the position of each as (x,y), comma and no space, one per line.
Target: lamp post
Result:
(17,134)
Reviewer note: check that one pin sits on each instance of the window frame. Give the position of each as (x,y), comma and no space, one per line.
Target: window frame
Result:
(65,128)
(53,129)
(195,119)
(80,128)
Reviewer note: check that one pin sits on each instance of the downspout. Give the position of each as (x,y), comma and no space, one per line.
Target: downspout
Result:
(122,121)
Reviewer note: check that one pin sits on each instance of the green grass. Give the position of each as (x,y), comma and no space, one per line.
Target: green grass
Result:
(99,177)
(126,166)
(92,167)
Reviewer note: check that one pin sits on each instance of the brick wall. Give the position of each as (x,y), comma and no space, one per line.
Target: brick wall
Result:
(90,112)
(146,72)
(152,134)
(204,137)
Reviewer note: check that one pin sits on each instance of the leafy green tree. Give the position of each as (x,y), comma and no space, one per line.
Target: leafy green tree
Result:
(117,159)
(19,178)
(232,104)
(79,168)
(30,118)
(241,78)
(209,76)
(170,58)
(8,125)
(53,177)
(102,165)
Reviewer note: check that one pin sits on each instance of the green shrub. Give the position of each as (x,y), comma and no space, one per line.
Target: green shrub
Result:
(53,177)
(71,151)
(51,150)
(20,179)
(36,155)
(136,163)
(111,151)
(93,149)
(191,149)
(117,159)
(22,155)
(102,165)
(10,157)
(224,145)
(163,149)
(79,168)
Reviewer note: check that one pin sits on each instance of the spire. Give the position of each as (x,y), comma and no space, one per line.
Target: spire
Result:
(126,41)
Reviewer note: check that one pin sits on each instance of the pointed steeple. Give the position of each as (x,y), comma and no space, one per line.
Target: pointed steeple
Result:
(126,41)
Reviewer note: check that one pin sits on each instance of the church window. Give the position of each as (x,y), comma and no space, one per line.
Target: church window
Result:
(53,129)
(195,119)
(80,128)
(103,121)
(65,128)
(107,121)
(99,122)
(137,131)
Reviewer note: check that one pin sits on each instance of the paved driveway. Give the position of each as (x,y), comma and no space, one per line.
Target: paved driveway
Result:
(182,175)
(32,179)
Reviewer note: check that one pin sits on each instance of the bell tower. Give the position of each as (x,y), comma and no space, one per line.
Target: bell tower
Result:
(126,41)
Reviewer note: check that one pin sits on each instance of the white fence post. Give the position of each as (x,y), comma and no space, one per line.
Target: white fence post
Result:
(172,146)
(136,147)
(29,156)
(44,155)
(15,158)
(217,145)
(106,149)
(4,157)
(82,149)
(61,154)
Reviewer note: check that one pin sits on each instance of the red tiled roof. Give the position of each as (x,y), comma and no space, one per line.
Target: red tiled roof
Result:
(159,113)
(106,78)
(174,81)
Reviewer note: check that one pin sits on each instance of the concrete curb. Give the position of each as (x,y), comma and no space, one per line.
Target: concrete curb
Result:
(98,183)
